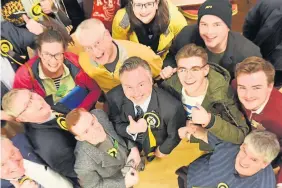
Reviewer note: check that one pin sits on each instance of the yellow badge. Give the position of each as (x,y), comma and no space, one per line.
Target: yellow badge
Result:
(61,120)
(257,125)
(222,185)
(112,152)
(36,11)
(152,119)
(24,179)
(6,46)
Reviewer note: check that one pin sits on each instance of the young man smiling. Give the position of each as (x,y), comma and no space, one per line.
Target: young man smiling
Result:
(105,154)
(207,98)
(213,32)
(261,101)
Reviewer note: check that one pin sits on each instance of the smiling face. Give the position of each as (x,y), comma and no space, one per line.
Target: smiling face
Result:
(145,10)
(30,107)
(100,46)
(253,89)
(11,161)
(52,58)
(89,129)
(194,81)
(247,163)
(214,32)
(137,85)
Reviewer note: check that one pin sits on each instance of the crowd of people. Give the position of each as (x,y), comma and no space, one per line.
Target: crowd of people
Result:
(93,91)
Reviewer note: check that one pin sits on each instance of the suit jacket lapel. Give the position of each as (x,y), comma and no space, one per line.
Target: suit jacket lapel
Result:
(153,105)
(127,109)
(102,157)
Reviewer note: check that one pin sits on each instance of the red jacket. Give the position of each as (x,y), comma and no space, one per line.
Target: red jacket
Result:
(270,117)
(23,79)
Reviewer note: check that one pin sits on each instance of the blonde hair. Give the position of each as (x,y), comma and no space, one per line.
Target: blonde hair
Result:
(93,24)
(7,101)
(255,64)
(264,144)
(192,50)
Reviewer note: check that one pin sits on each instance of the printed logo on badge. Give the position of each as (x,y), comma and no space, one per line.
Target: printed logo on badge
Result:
(207,7)
(36,11)
(112,152)
(6,46)
(152,119)
(222,185)
(61,120)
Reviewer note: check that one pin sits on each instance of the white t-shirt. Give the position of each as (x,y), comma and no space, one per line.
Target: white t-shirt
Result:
(7,73)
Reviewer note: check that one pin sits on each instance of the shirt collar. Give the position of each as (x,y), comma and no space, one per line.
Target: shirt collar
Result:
(145,105)
(42,75)
(260,109)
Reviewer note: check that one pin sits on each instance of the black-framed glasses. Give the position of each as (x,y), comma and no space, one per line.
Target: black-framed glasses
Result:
(26,107)
(47,56)
(194,70)
(139,6)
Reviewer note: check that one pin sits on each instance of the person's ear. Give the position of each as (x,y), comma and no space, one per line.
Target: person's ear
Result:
(264,165)
(206,70)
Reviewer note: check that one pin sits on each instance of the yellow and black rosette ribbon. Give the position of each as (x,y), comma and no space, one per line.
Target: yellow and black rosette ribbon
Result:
(6,46)
(23,179)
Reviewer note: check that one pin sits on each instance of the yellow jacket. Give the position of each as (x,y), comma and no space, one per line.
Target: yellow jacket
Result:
(121,26)
(108,80)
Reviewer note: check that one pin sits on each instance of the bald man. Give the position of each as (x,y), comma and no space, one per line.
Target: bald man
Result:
(102,56)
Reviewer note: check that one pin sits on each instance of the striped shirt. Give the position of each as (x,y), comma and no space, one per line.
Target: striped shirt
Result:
(57,82)
(218,168)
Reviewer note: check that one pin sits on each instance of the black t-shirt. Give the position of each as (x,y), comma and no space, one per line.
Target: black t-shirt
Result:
(112,66)
(147,37)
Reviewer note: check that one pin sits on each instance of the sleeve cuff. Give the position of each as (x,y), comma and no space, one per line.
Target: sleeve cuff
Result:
(134,136)
(211,123)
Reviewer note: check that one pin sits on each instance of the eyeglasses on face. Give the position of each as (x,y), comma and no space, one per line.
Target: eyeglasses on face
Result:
(47,56)
(140,6)
(194,70)
(95,44)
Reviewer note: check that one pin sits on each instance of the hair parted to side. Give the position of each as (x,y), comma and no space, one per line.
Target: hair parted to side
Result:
(161,20)
(90,24)
(191,50)
(49,36)
(263,143)
(255,64)
(7,101)
(73,117)
(133,63)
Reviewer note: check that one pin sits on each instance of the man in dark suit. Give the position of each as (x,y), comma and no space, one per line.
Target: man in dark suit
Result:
(145,114)
(102,157)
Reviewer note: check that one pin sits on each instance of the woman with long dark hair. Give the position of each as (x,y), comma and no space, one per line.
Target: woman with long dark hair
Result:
(154,23)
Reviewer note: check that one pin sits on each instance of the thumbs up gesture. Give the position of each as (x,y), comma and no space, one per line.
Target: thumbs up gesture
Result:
(200,116)
(167,72)
(33,26)
(137,127)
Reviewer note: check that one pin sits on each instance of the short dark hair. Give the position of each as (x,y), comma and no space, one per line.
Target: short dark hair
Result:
(50,36)
(255,64)
(191,50)
(133,63)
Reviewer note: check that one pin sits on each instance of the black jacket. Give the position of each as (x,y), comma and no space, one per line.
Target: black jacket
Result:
(53,144)
(238,47)
(170,112)
(263,26)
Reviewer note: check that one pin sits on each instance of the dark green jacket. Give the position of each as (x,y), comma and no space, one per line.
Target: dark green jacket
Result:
(227,123)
